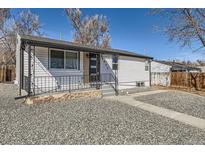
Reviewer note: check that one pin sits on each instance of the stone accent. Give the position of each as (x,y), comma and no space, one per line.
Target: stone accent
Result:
(64,97)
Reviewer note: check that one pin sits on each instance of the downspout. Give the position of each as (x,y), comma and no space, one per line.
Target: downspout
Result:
(150,73)
(116,76)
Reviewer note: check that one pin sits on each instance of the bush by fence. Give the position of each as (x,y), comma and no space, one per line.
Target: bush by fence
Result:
(7,73)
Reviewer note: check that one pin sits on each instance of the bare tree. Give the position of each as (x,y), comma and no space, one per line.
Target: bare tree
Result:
(201,62)
(4,31)
(92,30)
(4,15)
(27,23)
(185,26)
(24,23)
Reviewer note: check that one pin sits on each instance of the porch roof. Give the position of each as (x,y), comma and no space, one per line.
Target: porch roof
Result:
(53,43)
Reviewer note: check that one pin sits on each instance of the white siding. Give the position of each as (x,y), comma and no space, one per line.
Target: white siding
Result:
(161,78)
(106,64)
(160,74)
(159,67)
(44,77)
(130,71)
(107,73)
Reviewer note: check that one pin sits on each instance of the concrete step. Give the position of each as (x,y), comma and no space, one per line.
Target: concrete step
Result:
(108,94)
(106,86)
(107,90)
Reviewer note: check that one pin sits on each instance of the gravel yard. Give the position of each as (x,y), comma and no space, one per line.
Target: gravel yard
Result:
(178,101)
(93,121)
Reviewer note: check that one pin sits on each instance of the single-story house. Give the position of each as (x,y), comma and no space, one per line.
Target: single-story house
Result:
(45,65)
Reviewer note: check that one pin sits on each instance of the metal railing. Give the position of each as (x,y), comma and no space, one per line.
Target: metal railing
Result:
(25,83)
(51,84)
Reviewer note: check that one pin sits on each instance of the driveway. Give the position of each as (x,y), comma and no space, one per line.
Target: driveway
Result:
(95,121)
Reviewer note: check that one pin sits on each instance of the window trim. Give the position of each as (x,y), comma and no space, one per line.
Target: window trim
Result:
(113,63)
(64,55)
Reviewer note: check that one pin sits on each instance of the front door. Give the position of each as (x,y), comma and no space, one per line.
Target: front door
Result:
(94,70)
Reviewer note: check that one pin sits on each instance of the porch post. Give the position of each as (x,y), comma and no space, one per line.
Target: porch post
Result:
(116,84)
(116,76)
(29,70)
(20,70)
(33,65)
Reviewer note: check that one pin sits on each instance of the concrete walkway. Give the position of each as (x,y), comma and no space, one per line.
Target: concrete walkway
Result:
(181,117)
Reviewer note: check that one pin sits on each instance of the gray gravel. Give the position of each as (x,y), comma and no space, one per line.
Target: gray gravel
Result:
(87,122)
(178,101)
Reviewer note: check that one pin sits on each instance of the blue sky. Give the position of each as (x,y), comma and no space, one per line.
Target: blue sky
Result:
(130,29)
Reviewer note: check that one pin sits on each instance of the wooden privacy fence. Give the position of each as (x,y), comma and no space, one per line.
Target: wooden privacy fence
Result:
(188,80)
(7,73)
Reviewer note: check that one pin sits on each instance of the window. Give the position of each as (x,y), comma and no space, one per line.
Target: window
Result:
(57,59)
(114,62)
(146,66)
(71,61)
(63,59)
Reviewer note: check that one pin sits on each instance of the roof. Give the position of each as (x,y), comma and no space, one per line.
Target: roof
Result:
(178,66)
(53,43)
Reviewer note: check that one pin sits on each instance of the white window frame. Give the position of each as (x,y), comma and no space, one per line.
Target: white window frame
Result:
(64,51)
(147,66)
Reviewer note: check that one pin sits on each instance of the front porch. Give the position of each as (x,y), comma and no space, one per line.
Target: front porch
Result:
(73,83)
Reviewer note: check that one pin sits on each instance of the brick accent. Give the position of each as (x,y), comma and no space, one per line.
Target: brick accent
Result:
(64,97)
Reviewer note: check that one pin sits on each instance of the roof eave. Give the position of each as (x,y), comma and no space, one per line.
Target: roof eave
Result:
(47,42)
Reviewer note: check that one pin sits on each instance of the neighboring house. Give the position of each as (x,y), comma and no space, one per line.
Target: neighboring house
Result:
(202,68)
(171,66)
(46,65)
(161,70)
